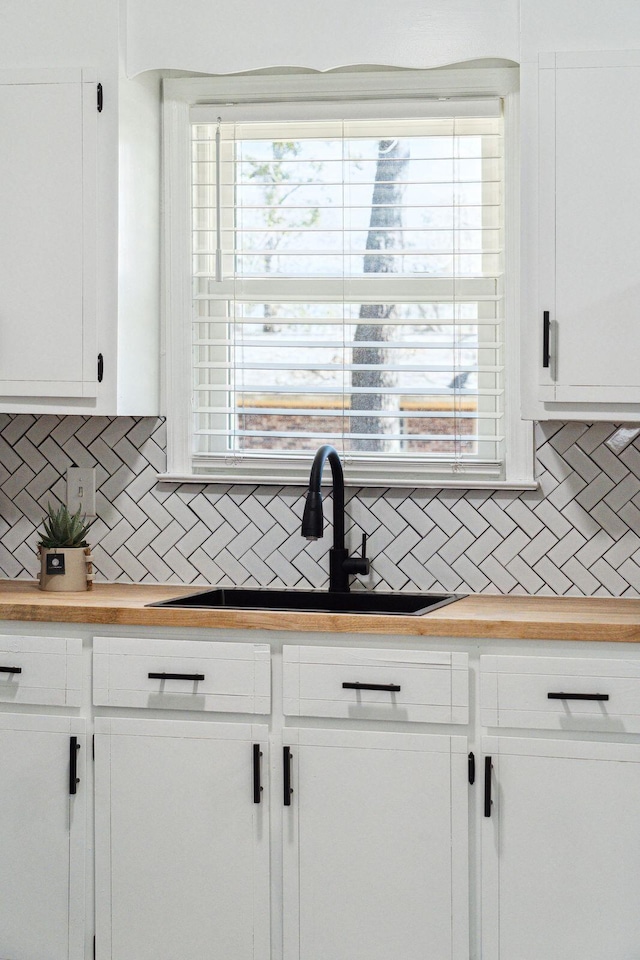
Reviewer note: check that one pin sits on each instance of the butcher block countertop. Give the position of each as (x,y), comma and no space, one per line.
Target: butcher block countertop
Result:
(482,616)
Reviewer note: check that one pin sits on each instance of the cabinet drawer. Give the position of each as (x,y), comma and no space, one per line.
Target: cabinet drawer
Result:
(376,684)
(182,675)
(558,693)
(45,670)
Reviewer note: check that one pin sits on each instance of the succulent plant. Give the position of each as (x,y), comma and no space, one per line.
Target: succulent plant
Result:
(64,529)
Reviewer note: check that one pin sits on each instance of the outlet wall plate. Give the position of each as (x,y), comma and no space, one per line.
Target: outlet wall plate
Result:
(81,490)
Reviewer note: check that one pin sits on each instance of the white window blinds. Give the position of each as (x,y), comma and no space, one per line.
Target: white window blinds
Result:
(348,288)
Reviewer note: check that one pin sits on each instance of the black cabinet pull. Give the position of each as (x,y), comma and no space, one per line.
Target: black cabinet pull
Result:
(10,669)
(391,687)
(546,330)
(286,759)
(176,676)
(257,787)
(488,766)
(74,780)
(577,696)
(472,768)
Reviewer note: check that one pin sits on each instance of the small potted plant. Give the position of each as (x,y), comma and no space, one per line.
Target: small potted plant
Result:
(65,556)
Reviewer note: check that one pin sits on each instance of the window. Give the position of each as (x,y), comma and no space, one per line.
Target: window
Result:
(341,273)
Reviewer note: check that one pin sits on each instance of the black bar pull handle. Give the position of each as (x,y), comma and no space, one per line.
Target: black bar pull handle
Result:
(488,767)
(10,669)
(288,790)
(176,676)
(74,780)
(472,768)
(577,696)
(546,336)
(391,687)
(257,786)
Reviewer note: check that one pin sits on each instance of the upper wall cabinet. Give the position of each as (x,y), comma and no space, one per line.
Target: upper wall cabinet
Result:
(79,244)
(47,234)
(581,250)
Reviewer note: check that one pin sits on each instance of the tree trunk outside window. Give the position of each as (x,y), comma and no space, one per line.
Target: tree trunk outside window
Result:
(384,235)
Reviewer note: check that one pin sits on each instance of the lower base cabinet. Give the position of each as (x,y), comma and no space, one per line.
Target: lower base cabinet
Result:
(343,824)
(561,850)
(42,837)
(182,852)
(375,846)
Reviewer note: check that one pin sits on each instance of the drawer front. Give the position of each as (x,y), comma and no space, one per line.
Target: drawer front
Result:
(44,670)
(182,675)
(557,693)
(385,684)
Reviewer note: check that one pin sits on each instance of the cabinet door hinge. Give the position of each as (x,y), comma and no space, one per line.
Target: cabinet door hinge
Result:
(100,367)
(99,98)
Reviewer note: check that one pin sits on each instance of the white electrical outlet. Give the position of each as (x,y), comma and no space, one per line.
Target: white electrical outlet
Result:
(81,490)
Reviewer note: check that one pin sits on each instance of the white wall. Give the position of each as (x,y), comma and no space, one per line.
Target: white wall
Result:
(229,36)
(237,35)
(578,25)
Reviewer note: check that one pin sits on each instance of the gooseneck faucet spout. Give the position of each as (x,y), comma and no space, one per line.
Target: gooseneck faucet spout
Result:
(340,564)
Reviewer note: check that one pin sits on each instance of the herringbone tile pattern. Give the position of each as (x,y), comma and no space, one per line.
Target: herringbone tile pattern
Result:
(578,534)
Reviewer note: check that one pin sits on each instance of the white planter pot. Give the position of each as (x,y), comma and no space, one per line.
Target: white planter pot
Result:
(66,568)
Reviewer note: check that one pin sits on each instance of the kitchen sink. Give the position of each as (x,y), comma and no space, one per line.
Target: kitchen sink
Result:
(314,601)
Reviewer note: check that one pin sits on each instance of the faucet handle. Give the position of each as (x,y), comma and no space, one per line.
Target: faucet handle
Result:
(360,564)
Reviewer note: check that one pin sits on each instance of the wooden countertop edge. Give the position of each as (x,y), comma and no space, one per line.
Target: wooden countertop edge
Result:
(472,617)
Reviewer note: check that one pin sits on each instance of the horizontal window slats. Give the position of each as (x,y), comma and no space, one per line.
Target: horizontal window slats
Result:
(340,344)
(282,389)
(343,435)
(339,411)
(347,284)
(389,367)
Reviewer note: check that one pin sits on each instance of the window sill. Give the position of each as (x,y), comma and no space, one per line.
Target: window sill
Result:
(437,484)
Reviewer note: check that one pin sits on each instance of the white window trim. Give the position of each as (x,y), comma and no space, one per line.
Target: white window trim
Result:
(178,98)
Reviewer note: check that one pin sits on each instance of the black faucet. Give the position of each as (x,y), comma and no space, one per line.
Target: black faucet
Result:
(341,565)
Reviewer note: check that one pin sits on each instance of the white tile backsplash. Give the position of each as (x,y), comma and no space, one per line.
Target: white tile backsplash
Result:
(579,533)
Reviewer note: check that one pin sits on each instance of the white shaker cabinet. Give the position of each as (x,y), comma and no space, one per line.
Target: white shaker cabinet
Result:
(181,806)
(182,840)
(581,250)
(48,234)
(559,835)
(560,849)
(42,837)
(375,845)
(375,822)
(79,261)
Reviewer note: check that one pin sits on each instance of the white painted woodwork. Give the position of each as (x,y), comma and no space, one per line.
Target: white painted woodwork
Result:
(48,235)
(206,39)
(51,670)
(588,242)
(182,851)
(375,846)
(237,676)
(513,693)
(578,25)
(434,687)
(374,856)
(42,839)
(561,850)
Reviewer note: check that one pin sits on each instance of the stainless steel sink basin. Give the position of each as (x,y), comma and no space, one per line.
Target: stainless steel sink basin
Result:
(316,601)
